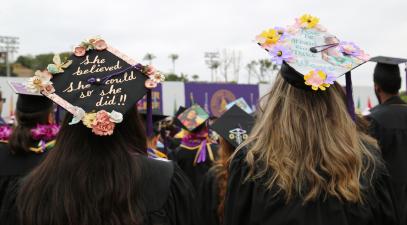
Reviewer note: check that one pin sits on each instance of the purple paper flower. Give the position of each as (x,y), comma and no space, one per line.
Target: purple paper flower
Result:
(330,78)
(45,132)
(349,48)
(282,32)
(5,132)
(279,54)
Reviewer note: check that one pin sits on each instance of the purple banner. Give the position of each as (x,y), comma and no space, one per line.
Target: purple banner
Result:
(214,97)
(156,97)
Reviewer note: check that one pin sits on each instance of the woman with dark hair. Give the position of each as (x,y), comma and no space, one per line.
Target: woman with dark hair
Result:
(25,145)
(233,128)
(306,161)
(99,171)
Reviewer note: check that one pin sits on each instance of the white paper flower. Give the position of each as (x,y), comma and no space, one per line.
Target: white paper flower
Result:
(157,77)
(36,83)
(116,117)
(77,117)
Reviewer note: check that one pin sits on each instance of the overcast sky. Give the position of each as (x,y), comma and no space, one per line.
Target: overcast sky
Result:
(190,28)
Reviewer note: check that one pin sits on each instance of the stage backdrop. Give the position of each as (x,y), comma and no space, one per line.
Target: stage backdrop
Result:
(156,97)
(214,97)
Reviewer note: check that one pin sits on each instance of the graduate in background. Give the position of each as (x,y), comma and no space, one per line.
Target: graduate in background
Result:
(155,147)
(196,153)
(389,125)
(99,171)
(305,161)
(26,145)
(233,128)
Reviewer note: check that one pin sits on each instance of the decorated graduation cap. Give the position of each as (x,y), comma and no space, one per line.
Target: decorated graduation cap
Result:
(193,117)
(242,104)
(387,70)
(97,84)
(27,101)
(311,58)
(234,125)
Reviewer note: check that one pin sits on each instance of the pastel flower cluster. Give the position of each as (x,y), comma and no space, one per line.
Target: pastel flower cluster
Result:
(155,76)
(102,122)
(45,132)
(319,79)
(275,42)
(89,44)
(40,81)
(5,132)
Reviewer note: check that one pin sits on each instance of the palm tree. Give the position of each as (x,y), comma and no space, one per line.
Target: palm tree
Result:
(173,58)
(195,77)
(149,57)
(251,69)
(214,66)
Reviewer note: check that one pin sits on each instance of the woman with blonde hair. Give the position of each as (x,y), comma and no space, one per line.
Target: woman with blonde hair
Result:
(305,161)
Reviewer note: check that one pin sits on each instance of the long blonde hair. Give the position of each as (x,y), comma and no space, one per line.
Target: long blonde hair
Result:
(306,145)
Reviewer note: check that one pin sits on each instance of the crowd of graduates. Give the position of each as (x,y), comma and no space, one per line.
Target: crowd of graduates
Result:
(302,157)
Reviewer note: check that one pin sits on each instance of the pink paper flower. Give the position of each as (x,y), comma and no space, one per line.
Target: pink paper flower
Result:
(150,84)
(102,125)
(100,45)
(79,51)
(49,88)
(149,70)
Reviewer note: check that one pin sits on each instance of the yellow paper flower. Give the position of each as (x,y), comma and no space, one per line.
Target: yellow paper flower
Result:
(316,79)
(309,21)
(88,119)
(268,37)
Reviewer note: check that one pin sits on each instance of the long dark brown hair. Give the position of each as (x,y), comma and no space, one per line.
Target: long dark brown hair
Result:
(21,139)
(222,174)
(87,179)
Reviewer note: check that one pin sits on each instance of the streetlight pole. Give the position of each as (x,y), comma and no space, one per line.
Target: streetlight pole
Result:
(211,57)
(8,45)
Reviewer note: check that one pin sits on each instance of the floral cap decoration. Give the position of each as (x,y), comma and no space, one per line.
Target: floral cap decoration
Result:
(97,84)
(309,49)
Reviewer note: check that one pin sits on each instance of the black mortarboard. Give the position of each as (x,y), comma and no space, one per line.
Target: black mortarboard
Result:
(310,57)
(157,117)
(97,78)
(234,125)
(28,102)
(193,117)
(387,72)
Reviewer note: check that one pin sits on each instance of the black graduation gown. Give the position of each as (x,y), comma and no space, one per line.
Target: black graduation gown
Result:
(167,195)
(185,156)
(389,127)
(13,167)
(250,203)
(208,198)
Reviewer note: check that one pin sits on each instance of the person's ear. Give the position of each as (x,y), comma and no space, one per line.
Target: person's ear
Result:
(377,88)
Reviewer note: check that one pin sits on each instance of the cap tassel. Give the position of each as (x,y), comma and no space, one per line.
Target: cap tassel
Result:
(349,96)
(149,114)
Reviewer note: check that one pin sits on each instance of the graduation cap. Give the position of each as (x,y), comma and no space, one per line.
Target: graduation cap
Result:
(310,57)
(387,69)
(97,84)
(193,117)
(234,125)
(28,102)
(242,104)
